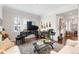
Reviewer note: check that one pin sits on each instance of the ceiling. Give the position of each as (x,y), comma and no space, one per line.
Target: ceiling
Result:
(69,13)
(38,9)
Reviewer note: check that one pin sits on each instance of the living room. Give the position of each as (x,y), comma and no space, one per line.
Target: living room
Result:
(39,28)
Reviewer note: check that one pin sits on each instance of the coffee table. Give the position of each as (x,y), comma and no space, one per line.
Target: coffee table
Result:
(41,47)
(50,42)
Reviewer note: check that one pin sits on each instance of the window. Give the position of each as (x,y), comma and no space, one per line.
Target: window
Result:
(17,24)
(20,24)
(25,24)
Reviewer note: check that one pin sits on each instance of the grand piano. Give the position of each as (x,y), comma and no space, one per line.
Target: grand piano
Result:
(31,29)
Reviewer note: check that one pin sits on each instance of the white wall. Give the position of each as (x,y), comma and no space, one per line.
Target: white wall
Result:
(1,15)
(78,22)
(51,16)
(8,20)
(1,18)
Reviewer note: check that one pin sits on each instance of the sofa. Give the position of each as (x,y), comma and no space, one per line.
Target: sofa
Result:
(8,47)
(71,47)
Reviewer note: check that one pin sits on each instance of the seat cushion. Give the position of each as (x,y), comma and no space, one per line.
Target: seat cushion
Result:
(76,49)
(71,42)
(66,50)
(12,50)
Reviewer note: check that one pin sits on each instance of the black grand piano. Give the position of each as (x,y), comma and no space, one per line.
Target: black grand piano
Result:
(31,29)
